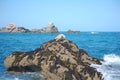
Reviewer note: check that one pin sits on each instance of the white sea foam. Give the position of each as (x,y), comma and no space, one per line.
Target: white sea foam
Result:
(110,67)
(94,32)
(10,78)
(112,58)
(17,79)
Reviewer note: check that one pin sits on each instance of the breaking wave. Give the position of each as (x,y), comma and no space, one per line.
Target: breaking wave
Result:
(110,67)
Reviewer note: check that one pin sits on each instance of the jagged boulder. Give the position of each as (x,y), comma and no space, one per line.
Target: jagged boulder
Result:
(58,59)
(51,28)
(13,28)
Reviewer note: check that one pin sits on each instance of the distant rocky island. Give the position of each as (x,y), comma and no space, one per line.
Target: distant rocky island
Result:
(57,59)
(72,31)
(12,28)
(51,28)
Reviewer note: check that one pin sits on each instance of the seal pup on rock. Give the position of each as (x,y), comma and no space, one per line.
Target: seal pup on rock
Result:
(60,37)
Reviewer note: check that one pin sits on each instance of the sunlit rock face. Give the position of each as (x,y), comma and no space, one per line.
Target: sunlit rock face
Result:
(13,28)
(59,59)
(51,28)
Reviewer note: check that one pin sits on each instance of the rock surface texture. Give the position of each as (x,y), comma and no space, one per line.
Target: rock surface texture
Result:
(13,28)
(58,59)
(51,28)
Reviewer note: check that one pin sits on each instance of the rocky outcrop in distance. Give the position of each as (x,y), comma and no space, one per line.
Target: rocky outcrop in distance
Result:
(51,28)
(14,28)
(57,59)
(71,31)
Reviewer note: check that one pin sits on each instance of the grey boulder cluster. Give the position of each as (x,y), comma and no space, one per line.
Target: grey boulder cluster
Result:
(13,28)
(57,59)
(51,28)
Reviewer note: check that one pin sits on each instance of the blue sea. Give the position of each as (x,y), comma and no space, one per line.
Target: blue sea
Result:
(103,45)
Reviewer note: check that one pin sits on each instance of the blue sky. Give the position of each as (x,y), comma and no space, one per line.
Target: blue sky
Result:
(83,15)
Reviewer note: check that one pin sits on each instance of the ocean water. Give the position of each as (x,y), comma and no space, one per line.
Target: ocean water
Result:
(103,45)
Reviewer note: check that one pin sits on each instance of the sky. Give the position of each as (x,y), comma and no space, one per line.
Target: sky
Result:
(82,15)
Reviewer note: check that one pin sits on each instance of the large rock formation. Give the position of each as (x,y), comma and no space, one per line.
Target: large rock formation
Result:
(58,59)
(13,28)
(71,31)
(51,28)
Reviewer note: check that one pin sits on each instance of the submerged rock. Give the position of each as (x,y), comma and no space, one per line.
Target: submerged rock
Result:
(51,28)
(13,28)
(59,59)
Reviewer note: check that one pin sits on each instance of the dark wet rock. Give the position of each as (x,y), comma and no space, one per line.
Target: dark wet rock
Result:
(72,31)
(58,59)
(13,28)
(51,28)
